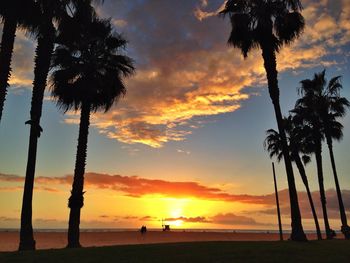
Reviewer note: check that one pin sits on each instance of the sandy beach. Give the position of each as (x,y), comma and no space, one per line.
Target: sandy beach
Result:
(48,240)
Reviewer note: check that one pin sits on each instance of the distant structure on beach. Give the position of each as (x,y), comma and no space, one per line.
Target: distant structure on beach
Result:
(165,227)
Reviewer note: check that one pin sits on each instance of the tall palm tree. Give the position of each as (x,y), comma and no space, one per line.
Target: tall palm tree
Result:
(268,25)
(306,114)
(12,17)
(333,131)
(87,76)
(299,143)
(328,106)
(51,11)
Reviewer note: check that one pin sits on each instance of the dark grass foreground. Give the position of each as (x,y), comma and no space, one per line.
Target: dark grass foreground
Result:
(325,251)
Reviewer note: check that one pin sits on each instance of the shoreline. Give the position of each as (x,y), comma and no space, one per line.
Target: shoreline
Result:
(58,240)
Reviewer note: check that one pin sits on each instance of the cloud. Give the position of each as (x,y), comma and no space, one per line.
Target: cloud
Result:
(22,62)
(52,223)
(232,219)
(219,219)
(198,219)
(36,188)
(332,204)
(10,178)
(185,71)
(148,218)
(138,187)
(119,23)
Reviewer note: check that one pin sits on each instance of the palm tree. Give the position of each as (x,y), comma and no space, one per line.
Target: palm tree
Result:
(333,131)
(299,143)
(12,17)
(50,11)
(324,99)
(306,115)
(269,25)
(87,76)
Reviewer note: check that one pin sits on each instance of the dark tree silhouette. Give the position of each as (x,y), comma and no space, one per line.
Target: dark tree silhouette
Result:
(50,13)
(12,17)
(49,10)
(87,76)
(327,106)
(277,203)
(269,25)
(299,144)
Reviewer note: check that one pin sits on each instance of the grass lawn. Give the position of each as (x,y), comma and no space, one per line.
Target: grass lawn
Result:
(315,251)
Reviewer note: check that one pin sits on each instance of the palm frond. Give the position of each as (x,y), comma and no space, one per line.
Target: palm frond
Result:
(289,26)
(88,65)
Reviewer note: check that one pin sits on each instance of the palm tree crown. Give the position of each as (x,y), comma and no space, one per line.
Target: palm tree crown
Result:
(90,69)
(9,9)
(258,22)
(325,102)
(299,141)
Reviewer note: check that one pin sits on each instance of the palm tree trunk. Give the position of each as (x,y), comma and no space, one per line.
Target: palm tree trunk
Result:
(344,228)
(306,183)
(76,200)
(42,65)
(7,42)
(277,203)
(270,65)
(318,154)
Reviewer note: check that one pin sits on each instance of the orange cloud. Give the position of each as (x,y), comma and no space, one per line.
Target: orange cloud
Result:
(186,72)
(170,93)
(137,187)
(197,219)
(22,62)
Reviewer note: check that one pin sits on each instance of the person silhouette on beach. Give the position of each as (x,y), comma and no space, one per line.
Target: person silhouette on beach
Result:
(143,230)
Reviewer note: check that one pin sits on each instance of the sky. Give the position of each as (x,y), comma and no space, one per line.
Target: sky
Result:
(186,142)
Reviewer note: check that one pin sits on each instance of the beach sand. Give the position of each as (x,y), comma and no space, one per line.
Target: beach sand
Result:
(48,240)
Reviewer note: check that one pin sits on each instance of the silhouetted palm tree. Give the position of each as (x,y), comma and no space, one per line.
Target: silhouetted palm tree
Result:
(50,11)
(299,143)
(333,131)
(269,25)
(324,99)
(306,114)
(88,72)
(12,17)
